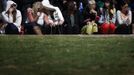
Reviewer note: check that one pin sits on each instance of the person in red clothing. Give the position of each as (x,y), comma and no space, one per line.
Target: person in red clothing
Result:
(108,18)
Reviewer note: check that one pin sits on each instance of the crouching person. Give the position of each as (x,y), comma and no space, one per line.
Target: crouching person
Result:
(12,17)
(37,17)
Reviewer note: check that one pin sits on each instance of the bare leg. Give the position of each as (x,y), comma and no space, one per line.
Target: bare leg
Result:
(37,30)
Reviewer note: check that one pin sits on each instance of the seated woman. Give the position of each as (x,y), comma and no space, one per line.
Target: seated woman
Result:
(12,17)
(108,18)
(37,18)
(57,12)
(90,19)
(71,15)
(124,19)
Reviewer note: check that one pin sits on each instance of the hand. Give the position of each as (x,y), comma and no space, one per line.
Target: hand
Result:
(93,11)
(127,21)
(38,14)
(61,22)
(11,10)
(51,23)
(30,10)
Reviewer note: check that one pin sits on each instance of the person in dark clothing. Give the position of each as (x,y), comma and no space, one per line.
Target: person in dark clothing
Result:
(90,15)
(58,3)
(1,6)
(71,25)
(131,4)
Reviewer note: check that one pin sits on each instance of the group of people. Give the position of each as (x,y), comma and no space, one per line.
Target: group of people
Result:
(66,16)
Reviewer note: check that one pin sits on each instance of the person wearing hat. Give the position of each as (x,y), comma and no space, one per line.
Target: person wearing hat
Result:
(108,18)
(57,12)
(12,17)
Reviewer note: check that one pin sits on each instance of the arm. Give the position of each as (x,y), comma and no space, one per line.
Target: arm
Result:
(129,21)
(101,20)
(6,18)
(119,19)
(46,19)
(18,19)
(114,17)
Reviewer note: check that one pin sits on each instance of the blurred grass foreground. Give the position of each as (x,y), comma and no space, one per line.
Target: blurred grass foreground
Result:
(67,55)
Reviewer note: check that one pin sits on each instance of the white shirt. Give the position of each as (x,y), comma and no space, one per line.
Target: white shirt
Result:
(124,20)
(9,19)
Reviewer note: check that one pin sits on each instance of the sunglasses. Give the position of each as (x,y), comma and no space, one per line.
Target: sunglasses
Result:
(13,5)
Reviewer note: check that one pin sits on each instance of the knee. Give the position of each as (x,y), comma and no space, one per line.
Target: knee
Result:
(112,26)
(105,26)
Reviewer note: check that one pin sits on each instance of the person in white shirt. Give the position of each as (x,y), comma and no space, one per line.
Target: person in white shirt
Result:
(37,18)
(58,17)
(124,19)
(12,17)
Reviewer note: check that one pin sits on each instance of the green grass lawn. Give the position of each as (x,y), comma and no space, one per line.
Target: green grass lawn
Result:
(67,55)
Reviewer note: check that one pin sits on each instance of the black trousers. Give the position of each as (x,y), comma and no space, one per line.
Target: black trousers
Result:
(124,29)
(11,29)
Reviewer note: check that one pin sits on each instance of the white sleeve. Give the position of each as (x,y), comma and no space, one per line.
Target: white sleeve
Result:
(114,18)
(101,20)
(18,19)
(5,17)
(130,17)
(120,21)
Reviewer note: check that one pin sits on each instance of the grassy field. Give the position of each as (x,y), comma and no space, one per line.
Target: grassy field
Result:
(67,55)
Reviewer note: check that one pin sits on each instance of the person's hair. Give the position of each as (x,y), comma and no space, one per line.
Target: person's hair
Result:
(14,15)
(71,6)
(91,3)
(123,4)
(111,7)
(93,16)
(38,7)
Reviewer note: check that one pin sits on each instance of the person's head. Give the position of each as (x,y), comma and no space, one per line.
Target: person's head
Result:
(124,7)
(106,3)
(92,4)
(38,7)
(11,5)
(11,8)
(72,6)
